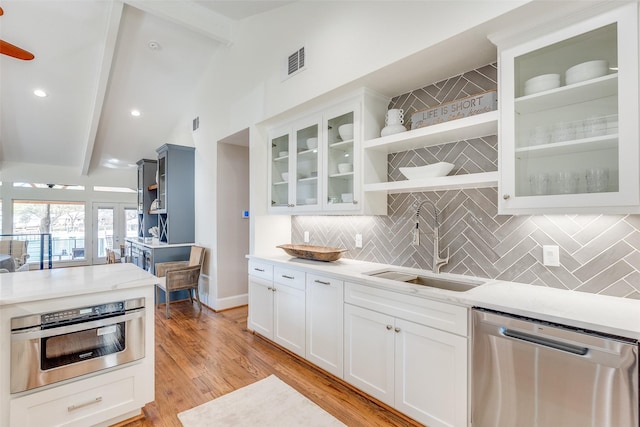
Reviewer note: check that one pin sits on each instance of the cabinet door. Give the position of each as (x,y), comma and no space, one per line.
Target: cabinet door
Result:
(342,162)
(369,352)
(280,167)
(289,318)
(306,165)
(260,318)
(569,113)
(324,325)
(430,375)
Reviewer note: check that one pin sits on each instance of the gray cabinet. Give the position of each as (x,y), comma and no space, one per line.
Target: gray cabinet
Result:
(175,194)
(146,195)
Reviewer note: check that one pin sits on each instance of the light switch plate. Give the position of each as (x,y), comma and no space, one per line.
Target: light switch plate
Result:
(551,255)
(306,237)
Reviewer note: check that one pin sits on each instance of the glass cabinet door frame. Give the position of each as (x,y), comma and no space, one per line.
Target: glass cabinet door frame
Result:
(333,146)
(297,179)
(627,198)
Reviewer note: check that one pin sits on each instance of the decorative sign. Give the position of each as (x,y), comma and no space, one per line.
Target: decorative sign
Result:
(465,107)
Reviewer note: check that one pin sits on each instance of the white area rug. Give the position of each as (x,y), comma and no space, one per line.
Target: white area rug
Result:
(268,402)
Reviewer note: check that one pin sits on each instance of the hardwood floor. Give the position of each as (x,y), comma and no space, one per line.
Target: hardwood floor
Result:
(203,356)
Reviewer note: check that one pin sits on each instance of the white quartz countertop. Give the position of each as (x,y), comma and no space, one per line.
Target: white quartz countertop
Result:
(611,315)
(38,285)
(157,245)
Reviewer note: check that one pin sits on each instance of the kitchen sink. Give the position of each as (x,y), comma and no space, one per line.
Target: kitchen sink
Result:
(432,282)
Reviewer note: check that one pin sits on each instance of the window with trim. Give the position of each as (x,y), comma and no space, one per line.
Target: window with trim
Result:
(65,221)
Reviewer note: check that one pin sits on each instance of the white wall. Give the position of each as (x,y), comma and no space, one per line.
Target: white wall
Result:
(344,41)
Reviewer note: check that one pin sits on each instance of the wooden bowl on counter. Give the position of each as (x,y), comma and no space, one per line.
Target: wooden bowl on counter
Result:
(316,253)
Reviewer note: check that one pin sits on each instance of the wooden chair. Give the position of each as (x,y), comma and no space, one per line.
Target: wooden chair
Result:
(178,275)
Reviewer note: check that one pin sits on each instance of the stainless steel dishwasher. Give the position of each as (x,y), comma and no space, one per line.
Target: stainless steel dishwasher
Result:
(531,373)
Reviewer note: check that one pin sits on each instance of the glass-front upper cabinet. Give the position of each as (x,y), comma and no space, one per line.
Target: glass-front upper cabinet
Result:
(342,160)
(569,119)
(294,167)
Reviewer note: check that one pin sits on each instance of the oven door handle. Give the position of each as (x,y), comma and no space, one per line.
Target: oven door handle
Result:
(31,334)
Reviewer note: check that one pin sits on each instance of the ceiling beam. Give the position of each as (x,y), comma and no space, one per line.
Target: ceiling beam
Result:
(190,15)
(111,39)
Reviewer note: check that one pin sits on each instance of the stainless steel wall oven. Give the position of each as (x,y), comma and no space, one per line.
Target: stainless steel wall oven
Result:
(51,347)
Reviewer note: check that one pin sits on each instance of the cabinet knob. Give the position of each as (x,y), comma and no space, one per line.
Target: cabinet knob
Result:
(355,202)
(506,196)
(389,327)
(397,329)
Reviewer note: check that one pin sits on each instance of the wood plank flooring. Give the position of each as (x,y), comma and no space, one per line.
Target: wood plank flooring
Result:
(201,356)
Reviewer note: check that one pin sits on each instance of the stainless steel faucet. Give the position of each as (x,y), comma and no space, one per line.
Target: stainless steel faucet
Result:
(438,262)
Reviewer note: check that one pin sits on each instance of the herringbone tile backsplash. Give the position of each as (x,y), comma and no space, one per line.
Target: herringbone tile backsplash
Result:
(598,253)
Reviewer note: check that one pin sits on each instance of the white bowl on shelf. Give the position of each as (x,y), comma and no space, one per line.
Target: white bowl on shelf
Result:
(428,171)
(345,167)
(285,176)
(586,71)
(541,83)
(312,143)
(346,131)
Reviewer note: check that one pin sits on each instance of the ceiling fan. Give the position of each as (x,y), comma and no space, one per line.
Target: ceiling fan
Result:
(14,51)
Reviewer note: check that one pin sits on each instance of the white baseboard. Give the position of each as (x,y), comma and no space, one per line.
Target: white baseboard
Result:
(229,302)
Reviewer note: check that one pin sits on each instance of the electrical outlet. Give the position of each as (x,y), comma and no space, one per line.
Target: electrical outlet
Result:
(306,237)
(551,255)
(358,240)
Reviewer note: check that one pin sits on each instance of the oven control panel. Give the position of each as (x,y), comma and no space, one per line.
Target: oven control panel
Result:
(79,313)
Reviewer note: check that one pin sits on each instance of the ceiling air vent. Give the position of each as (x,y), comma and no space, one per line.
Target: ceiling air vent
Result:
(295,63)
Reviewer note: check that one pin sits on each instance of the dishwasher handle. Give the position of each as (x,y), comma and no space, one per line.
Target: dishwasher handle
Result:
(546,342)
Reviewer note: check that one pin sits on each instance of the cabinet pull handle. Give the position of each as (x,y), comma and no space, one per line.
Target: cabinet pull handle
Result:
(261,270)
(506,196)
(322,282)
(389,327)
(397,329)
(288,277)
(82,405)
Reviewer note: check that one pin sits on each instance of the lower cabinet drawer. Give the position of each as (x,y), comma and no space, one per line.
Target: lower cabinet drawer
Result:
(440,315)
(78,409)
(261,269)
(289,277)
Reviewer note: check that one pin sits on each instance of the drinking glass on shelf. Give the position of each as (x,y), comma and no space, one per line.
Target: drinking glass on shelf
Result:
(567,182)
(563,131)
(595,126)
(539,135)
(539,183)
(597,180)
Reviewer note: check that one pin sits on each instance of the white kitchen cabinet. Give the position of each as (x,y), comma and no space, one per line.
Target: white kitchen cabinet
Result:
(326,178)
(571,146)
(416,368)
(452,131)
(324,323)
(277,306)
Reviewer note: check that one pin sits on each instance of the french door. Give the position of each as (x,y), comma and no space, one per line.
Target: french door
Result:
(112,224)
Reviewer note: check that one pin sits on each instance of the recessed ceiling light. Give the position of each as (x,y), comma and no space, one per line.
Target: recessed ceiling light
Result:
(40,93)
(135,113)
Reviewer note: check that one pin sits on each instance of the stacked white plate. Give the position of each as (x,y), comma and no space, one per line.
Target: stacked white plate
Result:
(541,83)
(586,71)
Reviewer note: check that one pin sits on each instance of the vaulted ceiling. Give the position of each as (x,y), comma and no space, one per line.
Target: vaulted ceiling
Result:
(98,60)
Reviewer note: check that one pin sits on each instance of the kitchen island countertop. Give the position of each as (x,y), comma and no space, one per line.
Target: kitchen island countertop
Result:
(40,285)
(605,314)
